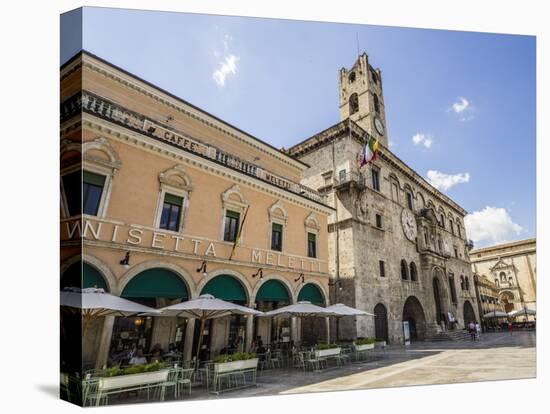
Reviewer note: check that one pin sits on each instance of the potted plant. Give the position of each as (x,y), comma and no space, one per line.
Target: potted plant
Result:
(135,376)
(323,350)
(235,362)
(380,343)
(363,344)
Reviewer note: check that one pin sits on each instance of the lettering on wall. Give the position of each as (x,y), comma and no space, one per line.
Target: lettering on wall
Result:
(134,235)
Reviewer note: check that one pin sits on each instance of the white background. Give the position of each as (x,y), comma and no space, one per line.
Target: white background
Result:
(29,249)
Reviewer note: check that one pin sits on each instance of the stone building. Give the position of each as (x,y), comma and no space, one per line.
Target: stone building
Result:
(512,269)
(397,245)
(154,192)
(487,297)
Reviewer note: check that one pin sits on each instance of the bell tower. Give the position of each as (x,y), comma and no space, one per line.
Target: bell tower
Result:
(362,99)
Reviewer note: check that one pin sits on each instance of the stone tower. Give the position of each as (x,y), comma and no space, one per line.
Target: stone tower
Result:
(362,99)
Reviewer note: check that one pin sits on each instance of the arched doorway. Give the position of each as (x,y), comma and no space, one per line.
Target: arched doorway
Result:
(414,314)
(228,334)
(313,329)
(83,275)
(381,322)
(469,314)
(156,288)
(507,298)
(272,294)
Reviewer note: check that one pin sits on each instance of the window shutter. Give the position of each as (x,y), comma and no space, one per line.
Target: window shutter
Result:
(173,199)
(92,178)
(232,214)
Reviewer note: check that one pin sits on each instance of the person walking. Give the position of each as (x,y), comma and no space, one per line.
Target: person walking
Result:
(472,330)
(510,328)
(478,331)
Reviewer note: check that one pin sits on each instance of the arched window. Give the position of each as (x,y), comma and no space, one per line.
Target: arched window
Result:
(353,103)
(414,275)
(404,270)
(497,283)
(510,281)
(374,76)
(467,283)
(351,77)
(462,282)
(376,104)
(502,277)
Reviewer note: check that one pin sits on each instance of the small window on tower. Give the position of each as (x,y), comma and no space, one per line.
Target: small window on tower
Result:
(376,104)
(351,77)
(374,76)
(353,104)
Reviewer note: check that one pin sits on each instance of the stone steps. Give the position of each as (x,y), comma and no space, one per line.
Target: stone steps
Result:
(455,335)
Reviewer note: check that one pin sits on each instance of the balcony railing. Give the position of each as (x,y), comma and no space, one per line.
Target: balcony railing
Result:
(103,108)
(349,177)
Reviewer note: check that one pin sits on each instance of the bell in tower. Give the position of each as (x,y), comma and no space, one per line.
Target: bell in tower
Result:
(361,98)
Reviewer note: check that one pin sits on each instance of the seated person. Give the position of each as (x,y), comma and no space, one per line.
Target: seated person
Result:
(138,358)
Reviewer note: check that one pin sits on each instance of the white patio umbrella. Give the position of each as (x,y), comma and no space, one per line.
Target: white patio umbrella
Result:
(522,312)
(495,314)
(95,302)
(203,308)
(342,310)
(302,309)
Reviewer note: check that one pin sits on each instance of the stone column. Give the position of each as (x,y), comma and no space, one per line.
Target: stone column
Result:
(327,323)
(188,342)
(249,332)
(105,342)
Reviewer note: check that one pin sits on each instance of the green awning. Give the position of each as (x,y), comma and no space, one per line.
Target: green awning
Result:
(82,275)
(156,283)
(311,293)
(225,287)
(272,291)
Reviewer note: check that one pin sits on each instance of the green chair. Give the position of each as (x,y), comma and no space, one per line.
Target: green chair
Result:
(185,380)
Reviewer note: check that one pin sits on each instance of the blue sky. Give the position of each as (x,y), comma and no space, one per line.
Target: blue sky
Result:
(458,104)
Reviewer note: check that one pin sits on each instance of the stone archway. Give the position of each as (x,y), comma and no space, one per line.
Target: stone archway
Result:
(440,296)
(469,314)
(381,322)
(507,298)
(413,312)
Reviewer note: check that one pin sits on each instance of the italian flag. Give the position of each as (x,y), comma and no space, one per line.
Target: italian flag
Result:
(370,151)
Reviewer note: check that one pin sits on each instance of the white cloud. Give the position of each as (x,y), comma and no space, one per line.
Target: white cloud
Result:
(444,182)
(227,66)
(422,139)
(463,108)
(491,225)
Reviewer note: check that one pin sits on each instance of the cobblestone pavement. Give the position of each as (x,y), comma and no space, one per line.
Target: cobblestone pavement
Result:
(497,356)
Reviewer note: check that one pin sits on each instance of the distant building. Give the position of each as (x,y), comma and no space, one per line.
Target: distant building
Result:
(512,269)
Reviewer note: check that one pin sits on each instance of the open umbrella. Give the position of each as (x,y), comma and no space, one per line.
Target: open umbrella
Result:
(522,312)
(95,302)
(300,309)
(495,314)
(340,310)
(206,307)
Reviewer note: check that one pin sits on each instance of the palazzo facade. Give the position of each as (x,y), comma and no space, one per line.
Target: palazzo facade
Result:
(511,269)
(155,192)
(397,245)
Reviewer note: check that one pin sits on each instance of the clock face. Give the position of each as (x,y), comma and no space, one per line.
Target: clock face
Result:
(409,224)
(379,126)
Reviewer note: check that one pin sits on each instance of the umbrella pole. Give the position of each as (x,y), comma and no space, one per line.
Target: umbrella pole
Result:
(199,345)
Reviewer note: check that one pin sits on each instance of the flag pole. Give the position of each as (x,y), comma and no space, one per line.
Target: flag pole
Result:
(239,233)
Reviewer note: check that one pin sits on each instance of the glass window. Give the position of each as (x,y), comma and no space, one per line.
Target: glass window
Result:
(171,212)
(453,288)
(92,188)
(231,225)
(382,269)
(375,180)
(379,221)
(409,201)
(311,245)
(72,186)
(276,237)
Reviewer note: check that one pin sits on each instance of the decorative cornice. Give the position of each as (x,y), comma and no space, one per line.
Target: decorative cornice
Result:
(196,161)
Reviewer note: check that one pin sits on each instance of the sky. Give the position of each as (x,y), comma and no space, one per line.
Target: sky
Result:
(460,106)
